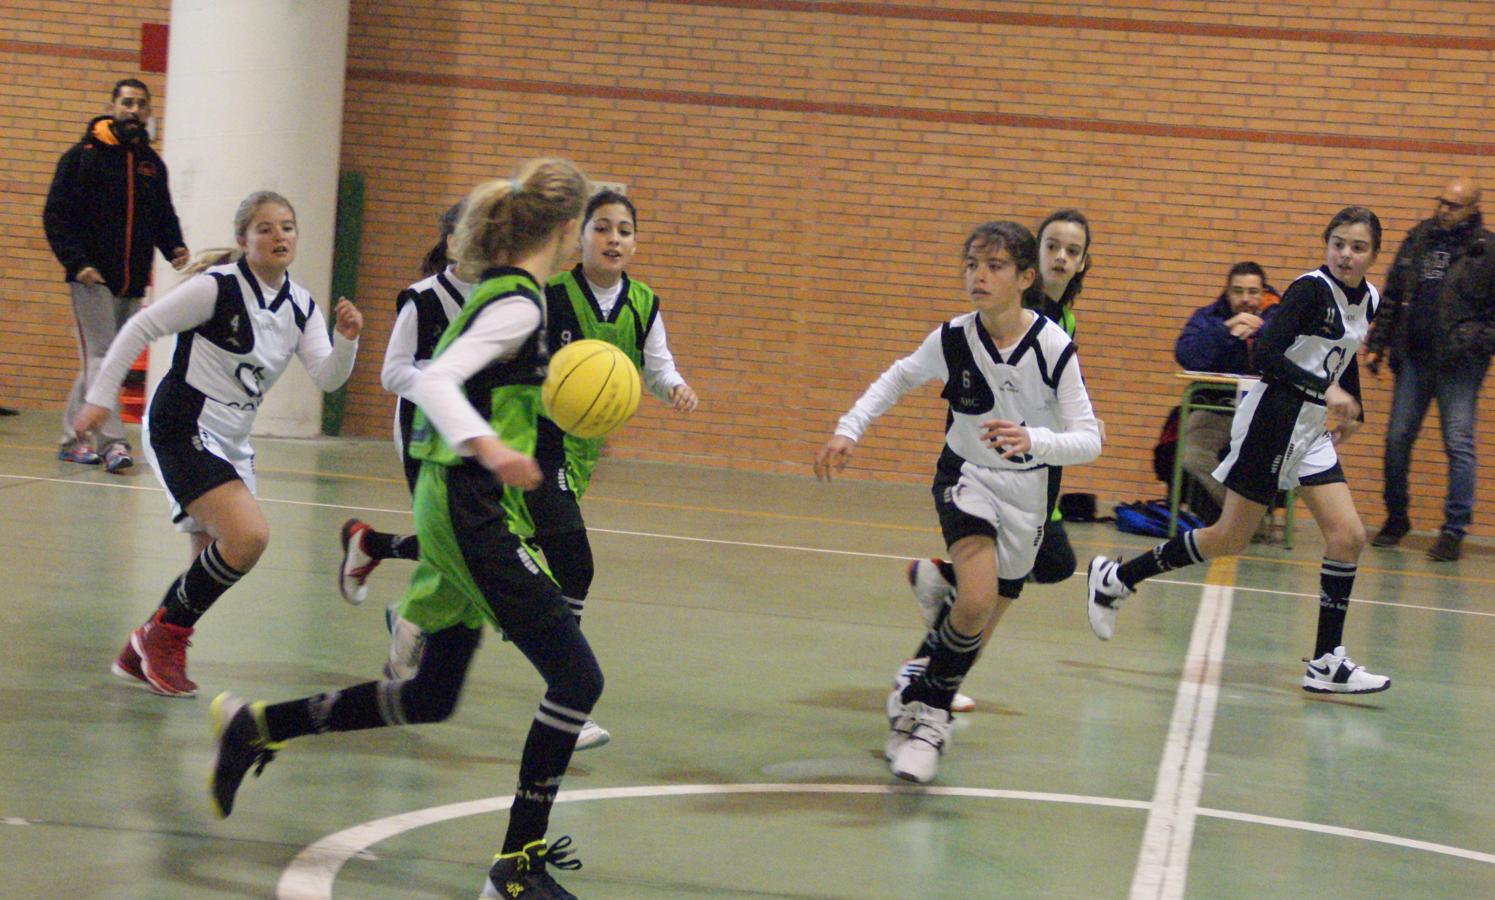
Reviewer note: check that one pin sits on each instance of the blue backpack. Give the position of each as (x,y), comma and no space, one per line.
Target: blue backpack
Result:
(1150,517)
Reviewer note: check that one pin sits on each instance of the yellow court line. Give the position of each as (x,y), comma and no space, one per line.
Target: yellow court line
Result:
(1221,571)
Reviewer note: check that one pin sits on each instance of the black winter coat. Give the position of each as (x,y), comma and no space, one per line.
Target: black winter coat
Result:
(109,206)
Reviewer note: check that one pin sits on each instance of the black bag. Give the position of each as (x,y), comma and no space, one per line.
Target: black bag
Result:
(1077,507)
(1166,448)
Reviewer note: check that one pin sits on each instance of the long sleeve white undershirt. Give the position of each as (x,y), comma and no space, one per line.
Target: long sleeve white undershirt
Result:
(1079,442)
(659,373)
(495,333)
(401,369)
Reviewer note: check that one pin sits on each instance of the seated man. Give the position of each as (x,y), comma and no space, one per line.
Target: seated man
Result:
(1217,338)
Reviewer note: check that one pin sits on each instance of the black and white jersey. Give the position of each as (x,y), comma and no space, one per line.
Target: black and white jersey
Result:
(1277,437)
(235,338)
(1036,383)
(424,310)
(1311,339)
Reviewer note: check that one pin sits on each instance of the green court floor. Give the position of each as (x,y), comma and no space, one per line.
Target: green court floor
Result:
(748,626)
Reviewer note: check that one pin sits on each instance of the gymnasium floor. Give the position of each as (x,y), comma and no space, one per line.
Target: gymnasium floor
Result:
(748,625)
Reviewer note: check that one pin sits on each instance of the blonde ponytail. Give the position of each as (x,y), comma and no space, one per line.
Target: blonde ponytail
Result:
(505,218)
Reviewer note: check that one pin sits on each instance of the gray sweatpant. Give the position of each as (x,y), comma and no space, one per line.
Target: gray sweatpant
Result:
(99,316)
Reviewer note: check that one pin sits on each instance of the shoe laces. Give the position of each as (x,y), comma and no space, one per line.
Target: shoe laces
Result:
(173,644)
(264,754)
(263,748)
(559,854)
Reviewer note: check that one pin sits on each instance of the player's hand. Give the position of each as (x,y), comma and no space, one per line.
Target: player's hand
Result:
(1007,438)
(508,465)
(349,322)
(1344,431)
(1341,413)
(90,417)
(89,275)
(179,258)
(683,399)
(833,457)
(1373,362)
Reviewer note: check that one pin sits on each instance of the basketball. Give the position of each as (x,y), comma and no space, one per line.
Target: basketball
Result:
(591,389)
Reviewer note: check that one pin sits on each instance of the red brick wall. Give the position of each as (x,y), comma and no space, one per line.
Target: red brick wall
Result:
(60,60)
(806,171)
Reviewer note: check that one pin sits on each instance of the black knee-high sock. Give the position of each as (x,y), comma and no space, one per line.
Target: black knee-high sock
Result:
(547,754)
(1336,579)
(198,588)
(952,656)
(573,683)
(387,545)
(429,696)
(1174,553)
(1011,588)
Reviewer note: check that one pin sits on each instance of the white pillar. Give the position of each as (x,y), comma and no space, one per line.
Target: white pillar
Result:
(254,99)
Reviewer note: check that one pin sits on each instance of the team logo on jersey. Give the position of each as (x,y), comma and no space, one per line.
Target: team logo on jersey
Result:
(1334,361)
(1008,386)
(252,379)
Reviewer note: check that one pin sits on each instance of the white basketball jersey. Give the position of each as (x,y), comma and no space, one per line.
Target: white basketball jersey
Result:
(238,354)
(983,385)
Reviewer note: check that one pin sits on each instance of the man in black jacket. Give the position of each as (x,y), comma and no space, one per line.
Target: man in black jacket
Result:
(1436,328)
(107,210)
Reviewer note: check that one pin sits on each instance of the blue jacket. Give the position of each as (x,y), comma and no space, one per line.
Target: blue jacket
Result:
(1206,345)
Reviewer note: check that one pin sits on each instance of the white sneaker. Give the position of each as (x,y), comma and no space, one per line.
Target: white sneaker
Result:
(960,703)
(918,758)
(1336,673)
(930,588)
(592,735)
(357,564)
(1103,593)
(900,722)
(407,642)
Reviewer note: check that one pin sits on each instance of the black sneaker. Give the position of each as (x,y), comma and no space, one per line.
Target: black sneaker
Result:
(1446,548)
(241,747)
(1391,533)
(522,874)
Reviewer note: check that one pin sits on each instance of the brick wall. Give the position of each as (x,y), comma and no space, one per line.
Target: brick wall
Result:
(60,59)
(806,171)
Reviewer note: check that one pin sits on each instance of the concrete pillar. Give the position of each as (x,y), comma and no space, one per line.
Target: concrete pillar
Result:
(254,99)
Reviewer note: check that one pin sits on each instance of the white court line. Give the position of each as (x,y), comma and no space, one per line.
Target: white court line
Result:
(310,875)
(1163,862)
(700,540)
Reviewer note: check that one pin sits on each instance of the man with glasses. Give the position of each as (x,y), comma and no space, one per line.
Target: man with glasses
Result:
(1433,330)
